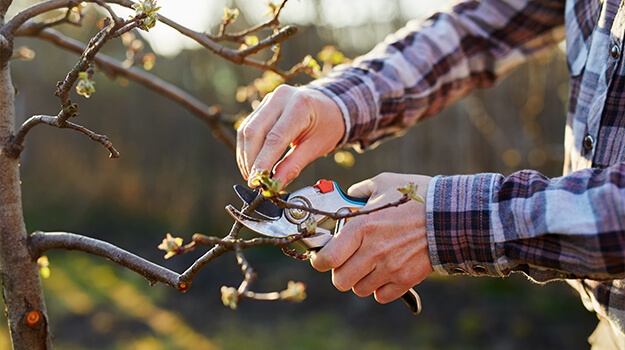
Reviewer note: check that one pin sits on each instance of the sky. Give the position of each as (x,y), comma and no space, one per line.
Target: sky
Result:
(205,15)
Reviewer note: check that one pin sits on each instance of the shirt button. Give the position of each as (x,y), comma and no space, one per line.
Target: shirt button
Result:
(615,51)
(480,269)
(458,270)
(589,142)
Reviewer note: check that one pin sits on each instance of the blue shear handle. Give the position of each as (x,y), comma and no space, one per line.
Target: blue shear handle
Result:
(359,201)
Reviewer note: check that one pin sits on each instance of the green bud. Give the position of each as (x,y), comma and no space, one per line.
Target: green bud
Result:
(411,192)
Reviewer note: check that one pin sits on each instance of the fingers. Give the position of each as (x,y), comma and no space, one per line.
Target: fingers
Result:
(389,292)
(340,248)
(286,130)
(250,134)
(363,189)
(346,277)
(307,120)
(294,162)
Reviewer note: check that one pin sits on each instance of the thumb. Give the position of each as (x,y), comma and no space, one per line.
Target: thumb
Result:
(363,189)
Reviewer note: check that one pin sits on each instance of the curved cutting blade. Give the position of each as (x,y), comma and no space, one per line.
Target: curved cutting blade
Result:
(267,208)
(271,228)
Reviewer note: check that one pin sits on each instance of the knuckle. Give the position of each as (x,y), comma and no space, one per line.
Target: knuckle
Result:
(282,90)
(305,99)
(340,283)
(246,132)
(404,279)
(361,291)
(331,260)
(382,177)
(273,138)
(378,256)
(365,226)
(383,298)
(400,275)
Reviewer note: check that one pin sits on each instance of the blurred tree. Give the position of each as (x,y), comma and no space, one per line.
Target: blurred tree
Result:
(21,255)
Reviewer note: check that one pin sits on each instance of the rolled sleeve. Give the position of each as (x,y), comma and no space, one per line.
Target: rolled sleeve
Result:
(559,228)
(459,228)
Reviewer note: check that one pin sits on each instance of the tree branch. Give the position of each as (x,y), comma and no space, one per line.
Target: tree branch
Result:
(108,32)
(16,145)
(4,6)
(16,22)
(40,242)
(237,56)
(218,249)
(113,67)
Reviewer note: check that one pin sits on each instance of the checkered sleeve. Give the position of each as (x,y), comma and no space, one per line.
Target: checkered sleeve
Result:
(560,228)
(426,66)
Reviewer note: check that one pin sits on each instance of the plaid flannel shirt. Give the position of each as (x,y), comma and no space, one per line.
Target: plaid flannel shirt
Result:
(571,227)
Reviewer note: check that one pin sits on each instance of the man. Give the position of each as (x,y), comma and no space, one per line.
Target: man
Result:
(571,227)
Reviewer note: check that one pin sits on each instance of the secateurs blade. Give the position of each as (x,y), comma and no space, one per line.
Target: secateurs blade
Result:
(281,223)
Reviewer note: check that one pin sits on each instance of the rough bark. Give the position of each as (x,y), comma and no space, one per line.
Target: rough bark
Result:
(21,286)
(4,6)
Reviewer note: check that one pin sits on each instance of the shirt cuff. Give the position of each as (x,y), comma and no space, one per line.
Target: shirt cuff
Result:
(459,229)
(354,93)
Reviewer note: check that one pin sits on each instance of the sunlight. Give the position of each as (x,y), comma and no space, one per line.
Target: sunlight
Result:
(206,16)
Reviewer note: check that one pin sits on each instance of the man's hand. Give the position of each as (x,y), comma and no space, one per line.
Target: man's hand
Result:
(305,119)
(385,252)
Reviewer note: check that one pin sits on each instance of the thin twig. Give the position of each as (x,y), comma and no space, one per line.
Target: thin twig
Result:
(235,56)
(16,144)
(232,55)
(219,250)
(277,37)
(247,269)
(337,215)
(66,18)
(103,139)
(95,45)
(114,68)
(118,21)
(199,239)
(240,36)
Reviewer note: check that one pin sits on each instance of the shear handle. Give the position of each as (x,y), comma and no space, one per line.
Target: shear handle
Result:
(412,299)
(354,200)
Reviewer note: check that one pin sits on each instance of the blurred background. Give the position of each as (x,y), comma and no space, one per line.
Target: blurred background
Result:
(173,177)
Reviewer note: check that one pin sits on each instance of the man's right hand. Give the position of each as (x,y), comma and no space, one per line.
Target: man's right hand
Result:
(305,119)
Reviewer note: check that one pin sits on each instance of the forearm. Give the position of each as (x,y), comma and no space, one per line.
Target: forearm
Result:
(426,66)
(568,227)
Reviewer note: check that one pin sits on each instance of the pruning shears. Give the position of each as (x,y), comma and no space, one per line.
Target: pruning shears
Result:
(325,196)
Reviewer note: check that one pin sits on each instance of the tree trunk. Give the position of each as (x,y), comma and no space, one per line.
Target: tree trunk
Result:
(21,286)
